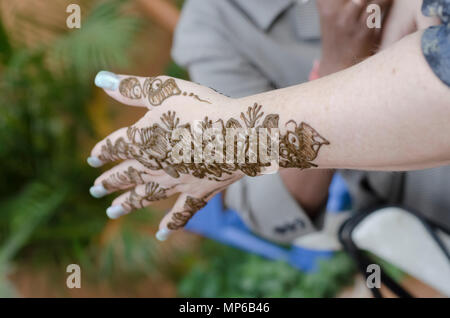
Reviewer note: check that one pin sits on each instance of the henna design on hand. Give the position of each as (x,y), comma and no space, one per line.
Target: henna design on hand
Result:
(158,91)
(196,97)
(154,89)
(191,206)
(131,88)
(300,146)
(151,146)
(153,192)
(116,151)
(121,180)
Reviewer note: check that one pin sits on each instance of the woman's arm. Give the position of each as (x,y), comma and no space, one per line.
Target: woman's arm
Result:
(390,112)
(346,40)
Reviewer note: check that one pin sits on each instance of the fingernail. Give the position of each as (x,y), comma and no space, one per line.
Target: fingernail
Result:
(94,162)
(107,80)
(163,234)
(115,211)
(98,191)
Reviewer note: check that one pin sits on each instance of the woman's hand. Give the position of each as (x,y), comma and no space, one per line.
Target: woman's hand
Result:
(193,141)
(346,38)
(148,172)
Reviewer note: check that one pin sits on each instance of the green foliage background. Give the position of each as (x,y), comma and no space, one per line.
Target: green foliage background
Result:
(227,272)
(46,213)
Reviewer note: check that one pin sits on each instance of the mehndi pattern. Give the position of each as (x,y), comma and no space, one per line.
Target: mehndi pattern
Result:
(152,146)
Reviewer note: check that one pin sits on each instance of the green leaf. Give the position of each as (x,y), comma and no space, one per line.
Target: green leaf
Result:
(226,272)
(29,209)
(5,45)
(100,43)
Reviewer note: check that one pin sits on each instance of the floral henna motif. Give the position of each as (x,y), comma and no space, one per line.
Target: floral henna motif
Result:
(122,180)
(131,88)
(154,89)
(152,146)
(158,91)
(117,151)
(191,206)
(153,192)
(300,146)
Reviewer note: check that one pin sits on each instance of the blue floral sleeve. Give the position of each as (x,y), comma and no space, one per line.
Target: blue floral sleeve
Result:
(436,39)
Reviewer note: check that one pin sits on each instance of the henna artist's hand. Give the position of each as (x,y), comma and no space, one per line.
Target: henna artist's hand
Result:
(346,38)
(156,155)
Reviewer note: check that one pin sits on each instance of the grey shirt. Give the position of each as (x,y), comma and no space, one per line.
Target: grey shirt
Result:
(244,47)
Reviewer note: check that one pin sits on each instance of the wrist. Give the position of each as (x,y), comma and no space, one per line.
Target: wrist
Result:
(289,143)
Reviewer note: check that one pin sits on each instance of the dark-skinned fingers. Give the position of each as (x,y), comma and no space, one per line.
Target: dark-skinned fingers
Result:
(353,10)
(383,5)
(115,147)
(330,8)
(139,197)
(125,175)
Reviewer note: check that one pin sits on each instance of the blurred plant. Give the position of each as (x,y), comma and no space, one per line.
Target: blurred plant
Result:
(7,290)
(179,3)
(103,41)
(174,70)
(227,272)
(45,91)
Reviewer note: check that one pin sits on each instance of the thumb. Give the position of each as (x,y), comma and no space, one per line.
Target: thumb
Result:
(147,92)
(138,91)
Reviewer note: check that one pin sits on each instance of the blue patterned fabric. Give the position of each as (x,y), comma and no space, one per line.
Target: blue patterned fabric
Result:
(436,40)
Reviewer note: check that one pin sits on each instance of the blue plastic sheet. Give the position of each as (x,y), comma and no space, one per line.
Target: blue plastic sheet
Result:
(226,226)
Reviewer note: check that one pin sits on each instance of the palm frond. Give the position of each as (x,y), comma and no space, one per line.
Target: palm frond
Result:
(101,42)
(26,212)
(5,45)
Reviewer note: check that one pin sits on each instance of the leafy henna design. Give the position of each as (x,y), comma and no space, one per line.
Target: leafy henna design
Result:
(154,89)
(125,179)
(191,206)
(131,88)
(151,146)
(153,192)
(300,146)
(116,151)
